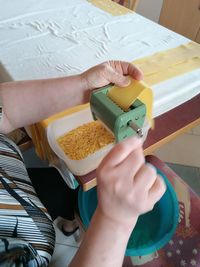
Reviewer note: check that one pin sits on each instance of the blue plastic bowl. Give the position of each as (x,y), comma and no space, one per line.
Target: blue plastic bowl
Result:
(153,229)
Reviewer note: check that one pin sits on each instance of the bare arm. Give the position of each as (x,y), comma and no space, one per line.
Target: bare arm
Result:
(27,102)
(104,243)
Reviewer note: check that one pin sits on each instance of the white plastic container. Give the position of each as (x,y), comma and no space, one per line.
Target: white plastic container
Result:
(62,126)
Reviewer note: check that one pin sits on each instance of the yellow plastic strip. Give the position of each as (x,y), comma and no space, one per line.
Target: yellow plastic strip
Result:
(110,7)
(69,111)
(156,68)
(126,96)
(170,63)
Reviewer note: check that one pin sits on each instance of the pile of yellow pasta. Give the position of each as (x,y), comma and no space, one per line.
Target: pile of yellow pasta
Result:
(85,140)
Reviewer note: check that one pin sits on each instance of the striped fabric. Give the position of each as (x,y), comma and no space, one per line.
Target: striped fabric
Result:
(23,218)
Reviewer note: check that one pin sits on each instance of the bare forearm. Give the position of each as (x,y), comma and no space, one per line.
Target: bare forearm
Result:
(27,102)
(104,244)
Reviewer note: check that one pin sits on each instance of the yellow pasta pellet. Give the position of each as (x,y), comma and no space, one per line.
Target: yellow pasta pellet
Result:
(85,140)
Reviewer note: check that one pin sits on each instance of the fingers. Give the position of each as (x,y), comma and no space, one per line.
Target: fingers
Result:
(133,163)
(116,72)
(117,78)
(146,177)
(121,69)
(121,151)
(157,190)
(135,72)
(127,68)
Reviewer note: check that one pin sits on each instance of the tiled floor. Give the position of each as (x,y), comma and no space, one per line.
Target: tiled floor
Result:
(65,248)
(184,150)
(191,175)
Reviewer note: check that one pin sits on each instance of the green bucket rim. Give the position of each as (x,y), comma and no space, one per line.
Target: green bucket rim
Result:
(138,251)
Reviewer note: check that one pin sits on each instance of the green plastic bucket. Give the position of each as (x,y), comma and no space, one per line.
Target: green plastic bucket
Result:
(153,229)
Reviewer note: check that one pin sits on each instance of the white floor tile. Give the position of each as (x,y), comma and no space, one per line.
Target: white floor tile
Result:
(190,131)
(61,238)
(184,150)
(196,130)
(62,255)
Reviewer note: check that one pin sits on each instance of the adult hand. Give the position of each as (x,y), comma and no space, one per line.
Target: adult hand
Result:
(110,72)
(127,186)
